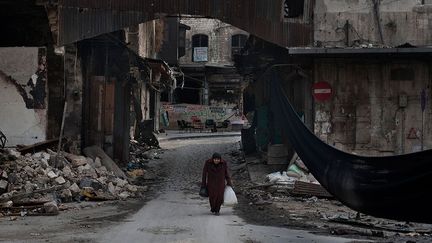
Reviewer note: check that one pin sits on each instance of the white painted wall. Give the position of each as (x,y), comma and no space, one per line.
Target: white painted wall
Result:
(19,124)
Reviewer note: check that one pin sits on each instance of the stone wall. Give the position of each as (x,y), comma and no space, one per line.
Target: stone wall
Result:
(355,22)
(374,110)
(219,35)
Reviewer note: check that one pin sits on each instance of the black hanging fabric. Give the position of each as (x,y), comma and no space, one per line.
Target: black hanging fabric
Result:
(394,187)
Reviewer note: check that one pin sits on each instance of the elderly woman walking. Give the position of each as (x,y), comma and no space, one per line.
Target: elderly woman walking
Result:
(215,173)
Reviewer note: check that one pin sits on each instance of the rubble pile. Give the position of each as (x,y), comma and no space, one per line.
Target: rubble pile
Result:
(74,178)
(297,171)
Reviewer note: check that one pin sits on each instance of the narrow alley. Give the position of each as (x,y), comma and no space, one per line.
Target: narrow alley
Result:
(178,214)
(113,112)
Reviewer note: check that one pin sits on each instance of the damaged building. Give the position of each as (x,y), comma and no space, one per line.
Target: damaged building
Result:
(359,73)
(362,83)
(210,88)
(105,88)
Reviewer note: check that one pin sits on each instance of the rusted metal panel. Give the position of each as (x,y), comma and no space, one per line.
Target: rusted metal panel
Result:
(81,19)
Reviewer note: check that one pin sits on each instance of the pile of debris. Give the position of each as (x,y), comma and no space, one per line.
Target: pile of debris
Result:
(297,180)
(48,177)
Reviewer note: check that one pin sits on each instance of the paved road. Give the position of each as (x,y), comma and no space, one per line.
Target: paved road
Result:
(179,215)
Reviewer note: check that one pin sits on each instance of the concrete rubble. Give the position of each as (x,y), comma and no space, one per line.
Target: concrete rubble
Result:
(32,179)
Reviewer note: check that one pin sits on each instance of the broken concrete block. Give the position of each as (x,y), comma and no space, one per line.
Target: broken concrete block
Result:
(121,183)
(124,195)
(44,163)
(74,188)
(90,162)
(14,153)
(106,161)
(7,204)
(76,160)
(29,170)
(12,178)
(67,172)
(101,171)
(131,188)
(51,207)
(111,188)
(39,170)
(102,180)
(60,180)
(4,175)
(46,156)
(29,187)
(51,174)
(97,162)
(89,182)
(66,195)
(3,186)
(89,171)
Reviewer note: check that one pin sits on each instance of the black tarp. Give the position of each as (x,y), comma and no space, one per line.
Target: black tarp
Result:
(394,187)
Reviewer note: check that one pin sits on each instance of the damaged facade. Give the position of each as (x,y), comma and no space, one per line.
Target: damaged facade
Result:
(210,87)
(375,57)
(328,40)
(98,79)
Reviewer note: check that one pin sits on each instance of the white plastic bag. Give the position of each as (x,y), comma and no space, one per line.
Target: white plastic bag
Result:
(230,198)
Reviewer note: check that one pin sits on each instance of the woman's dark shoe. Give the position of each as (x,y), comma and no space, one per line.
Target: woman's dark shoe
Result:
(217,213)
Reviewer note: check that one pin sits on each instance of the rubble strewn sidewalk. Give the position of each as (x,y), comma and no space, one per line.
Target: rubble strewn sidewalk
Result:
(31,182)
(293,198)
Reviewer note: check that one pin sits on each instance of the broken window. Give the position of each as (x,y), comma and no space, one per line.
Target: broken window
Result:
(200,40)
(199,48)
(237,43)
(293,8)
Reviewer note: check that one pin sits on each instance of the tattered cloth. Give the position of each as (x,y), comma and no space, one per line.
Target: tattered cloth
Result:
(394,187)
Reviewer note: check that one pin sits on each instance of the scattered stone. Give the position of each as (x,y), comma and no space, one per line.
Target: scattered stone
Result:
(46,156)
(67,172)
(89,182)
(97,162)
(51,207)
(29,187)
(131,188)
(74,188)
(120,182)
(76,160)
(14,153)
(3,186)
(111,188)
(124,195)
(44,163)
(40,171)
(13,218)
(66,195)
(60,180)
(103,180)
(7,204)
(29,170)
(4,175)
(52,174)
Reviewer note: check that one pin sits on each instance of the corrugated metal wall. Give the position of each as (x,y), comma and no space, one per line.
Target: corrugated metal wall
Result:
(81,19)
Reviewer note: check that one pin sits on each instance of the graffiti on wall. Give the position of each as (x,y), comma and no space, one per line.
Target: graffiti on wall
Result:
(190,112)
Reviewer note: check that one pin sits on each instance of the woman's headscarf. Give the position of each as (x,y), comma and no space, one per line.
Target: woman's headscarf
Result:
(216,156)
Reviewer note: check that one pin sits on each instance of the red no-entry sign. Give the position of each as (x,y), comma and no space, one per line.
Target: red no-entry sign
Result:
(322,91)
